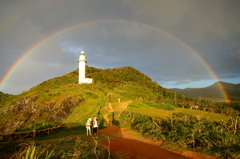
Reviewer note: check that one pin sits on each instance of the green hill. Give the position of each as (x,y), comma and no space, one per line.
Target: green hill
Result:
(5,98)
(61,99)
(233,91)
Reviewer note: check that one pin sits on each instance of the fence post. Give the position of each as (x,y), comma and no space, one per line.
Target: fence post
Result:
(34,133)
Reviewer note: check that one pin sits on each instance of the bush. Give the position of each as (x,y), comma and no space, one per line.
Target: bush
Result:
(68,148)
(37,126)
(165,106)
(219,138)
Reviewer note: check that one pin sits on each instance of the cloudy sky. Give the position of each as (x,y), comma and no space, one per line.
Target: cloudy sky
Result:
(178,43)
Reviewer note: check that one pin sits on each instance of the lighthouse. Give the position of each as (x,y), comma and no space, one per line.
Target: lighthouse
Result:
(81,71)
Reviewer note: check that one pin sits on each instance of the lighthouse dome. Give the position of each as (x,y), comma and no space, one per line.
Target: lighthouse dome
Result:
(82,53)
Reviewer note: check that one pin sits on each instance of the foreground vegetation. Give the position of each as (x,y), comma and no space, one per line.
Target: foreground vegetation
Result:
(69,143)
(218,138)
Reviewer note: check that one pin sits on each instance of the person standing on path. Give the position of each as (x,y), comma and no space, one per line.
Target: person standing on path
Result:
(95,127)
(88,126)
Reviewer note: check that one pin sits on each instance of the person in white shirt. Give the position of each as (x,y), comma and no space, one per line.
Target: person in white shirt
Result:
(95,127)
(88,126)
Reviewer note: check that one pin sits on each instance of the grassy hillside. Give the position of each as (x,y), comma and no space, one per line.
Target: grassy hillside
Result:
(5,98)
(62,100)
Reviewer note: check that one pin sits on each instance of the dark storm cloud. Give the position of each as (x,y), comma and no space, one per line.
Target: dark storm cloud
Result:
(158,37)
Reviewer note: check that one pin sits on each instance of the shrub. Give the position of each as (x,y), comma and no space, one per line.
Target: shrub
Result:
(217,138)
(37,126)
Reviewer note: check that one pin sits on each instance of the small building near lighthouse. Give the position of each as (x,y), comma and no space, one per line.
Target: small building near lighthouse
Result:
(82,69)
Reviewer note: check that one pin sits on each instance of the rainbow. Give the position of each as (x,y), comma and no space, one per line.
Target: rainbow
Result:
(37,45)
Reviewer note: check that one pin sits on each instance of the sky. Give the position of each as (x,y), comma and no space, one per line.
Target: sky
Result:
(179,44)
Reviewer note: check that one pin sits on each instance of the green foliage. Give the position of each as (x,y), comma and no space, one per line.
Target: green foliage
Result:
(125,82)
(68,148)
(137,105)
(219,138)
(116,76)
(1,116)
(165,106)
(37,126)
(31,151)
(5,98)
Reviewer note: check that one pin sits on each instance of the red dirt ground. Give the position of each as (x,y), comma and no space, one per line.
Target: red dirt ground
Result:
(125,145)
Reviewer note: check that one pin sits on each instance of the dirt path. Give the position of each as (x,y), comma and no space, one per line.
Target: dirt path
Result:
(120,106)
(125,144)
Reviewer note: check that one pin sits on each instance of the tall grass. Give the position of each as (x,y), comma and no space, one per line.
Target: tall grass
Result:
(218,138)
(165,110)
(70,144)
(31,151)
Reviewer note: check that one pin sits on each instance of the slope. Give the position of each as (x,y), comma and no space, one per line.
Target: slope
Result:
(233,91)
(62,100)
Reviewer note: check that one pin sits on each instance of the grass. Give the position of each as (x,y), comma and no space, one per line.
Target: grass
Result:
(63,144)
(83,111)
(208,115)
(155,112)
(72,132)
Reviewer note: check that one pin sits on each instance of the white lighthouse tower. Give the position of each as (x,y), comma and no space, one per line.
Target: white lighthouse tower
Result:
(82,66)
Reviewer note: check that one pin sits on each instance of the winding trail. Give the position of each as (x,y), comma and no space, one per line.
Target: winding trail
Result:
(124,144)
